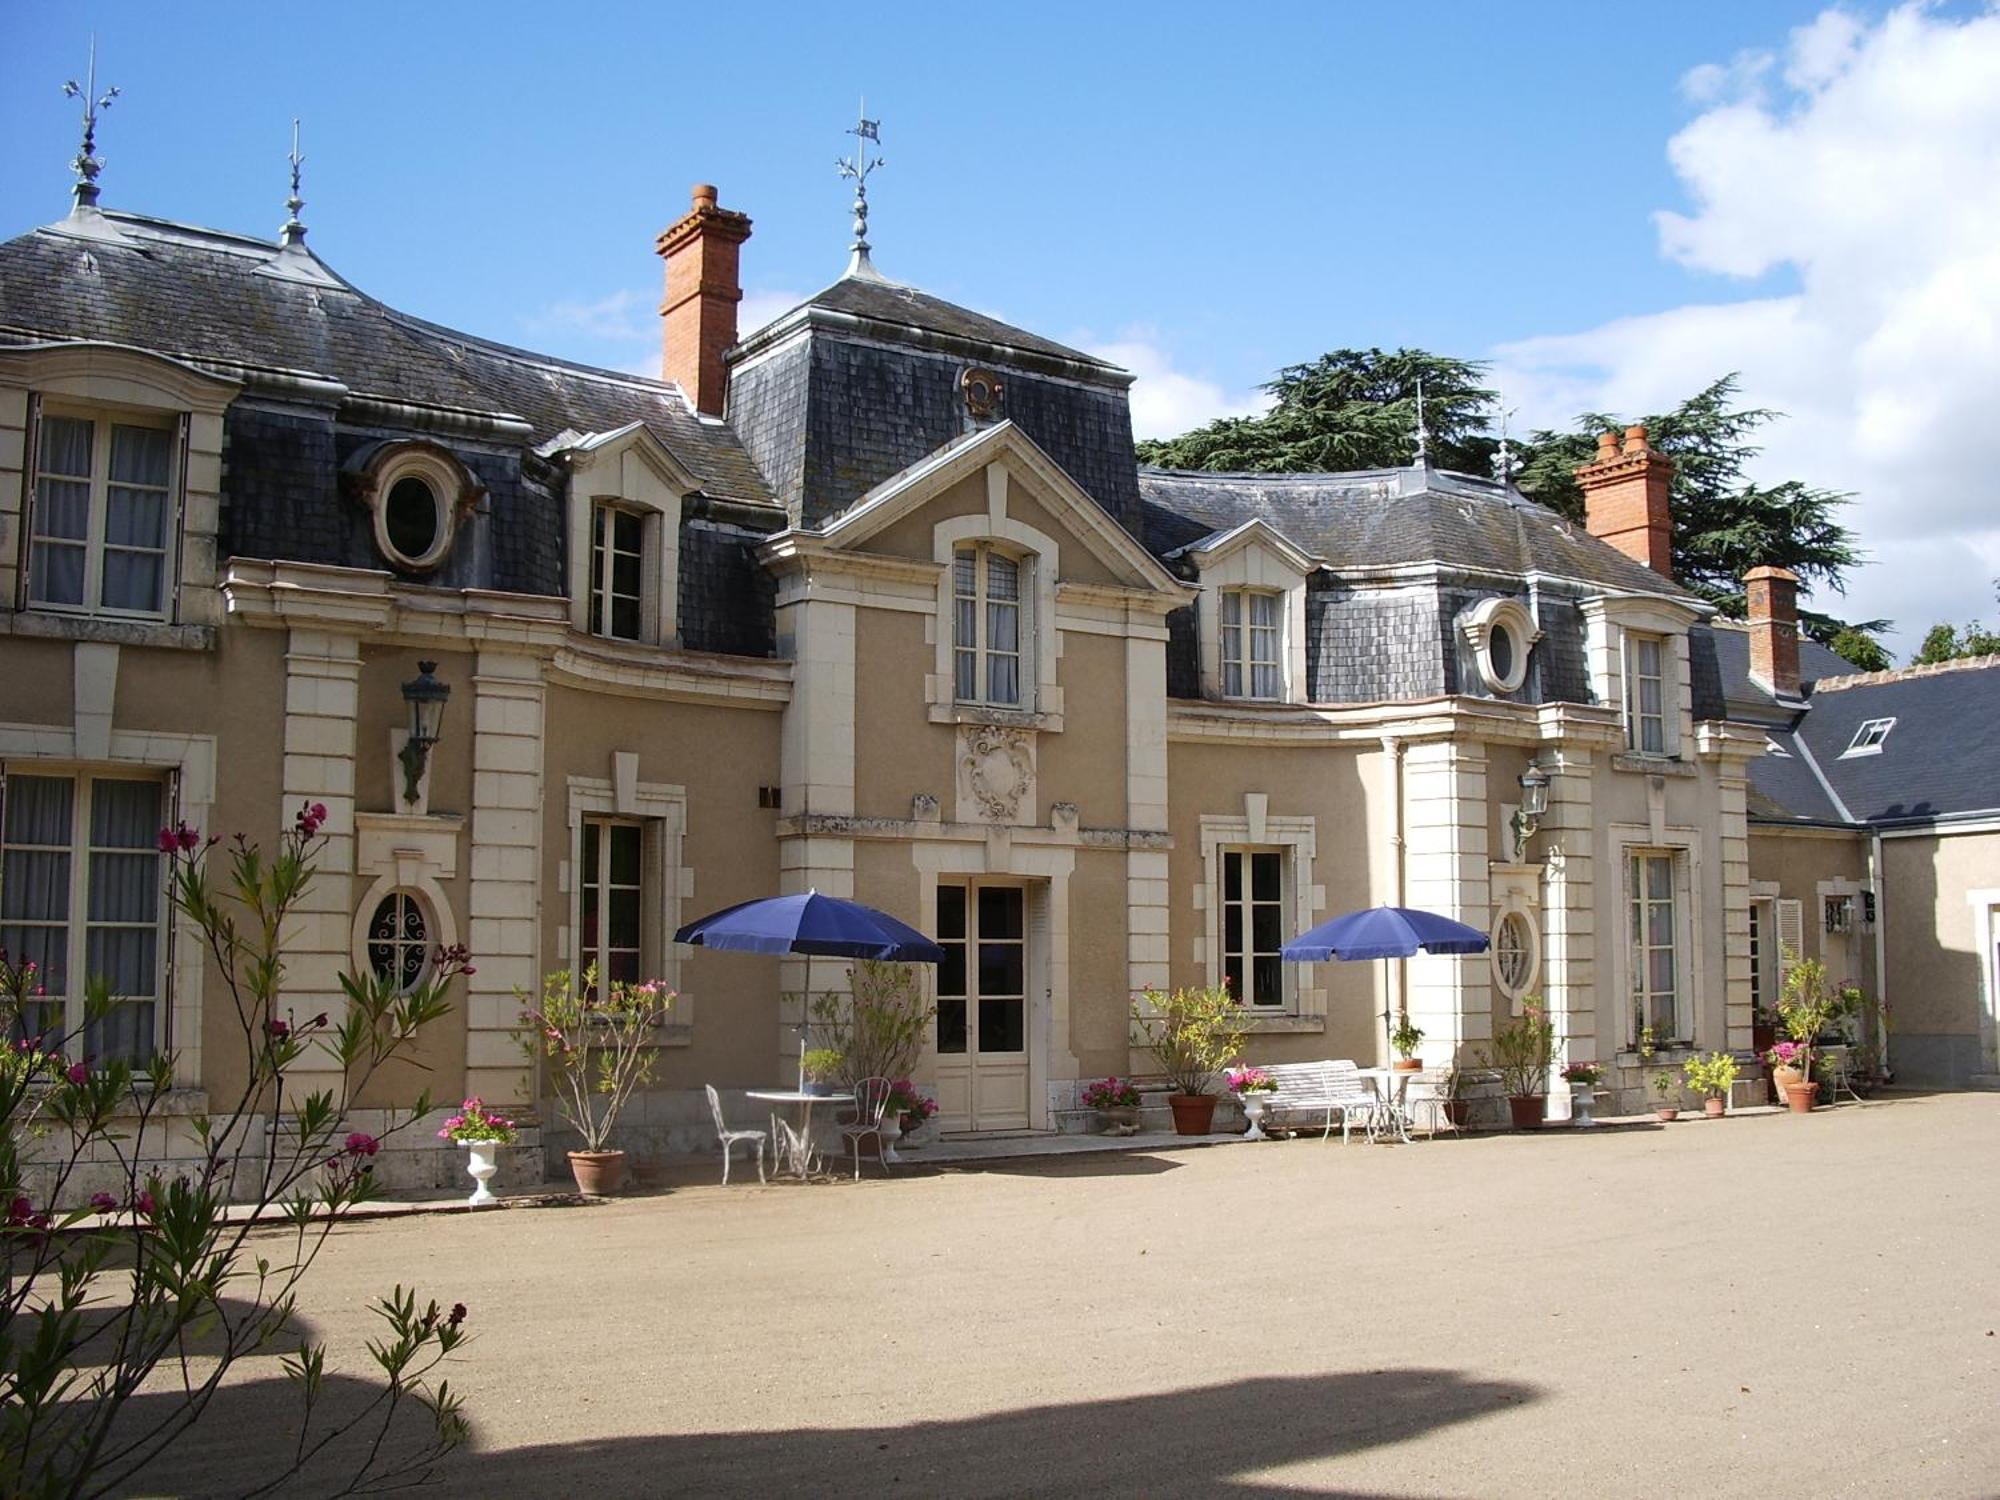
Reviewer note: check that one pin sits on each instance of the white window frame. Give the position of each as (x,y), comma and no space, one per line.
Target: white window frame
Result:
(1531,952)
(981,553)
(1684,861)
(1636,718)
(601,568)
(633,471)
(1252,558)
(1868,739)
(1491,618)
(1247,902)
(103,420)
(453,491)
(77,923)
(1238,640)
(1296,838)
(660,811)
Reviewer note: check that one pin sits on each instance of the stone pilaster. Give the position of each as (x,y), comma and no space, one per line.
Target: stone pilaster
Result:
(505,885)
(1734,842)
(1146,889)
(1445,850)
(322,699)
(1569,915)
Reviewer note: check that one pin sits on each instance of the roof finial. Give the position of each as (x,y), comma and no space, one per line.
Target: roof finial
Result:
(87,166)
(294,232)
(858,167)
(1503,461)
(1423,437)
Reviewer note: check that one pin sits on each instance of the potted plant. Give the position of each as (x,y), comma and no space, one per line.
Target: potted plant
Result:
(482,1133)
(909,1106)
(1406,1038)
(820,1068)
(598,1041)
(1523,1049)
(1192,1034)
(1805,1005)
(1250,1085)
(1582,1079)
(1664,1082)
(1711,1077)
(1116,1101)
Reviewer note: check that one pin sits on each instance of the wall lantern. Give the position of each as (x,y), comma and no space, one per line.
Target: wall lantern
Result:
(1534,802)
(426,697)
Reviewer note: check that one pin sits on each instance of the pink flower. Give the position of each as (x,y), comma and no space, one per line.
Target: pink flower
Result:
(104,1203)
(19,1211)
(360,1143)
(277,1029)
(78,1073)
(144,1202)
(318,1020)
(168,841)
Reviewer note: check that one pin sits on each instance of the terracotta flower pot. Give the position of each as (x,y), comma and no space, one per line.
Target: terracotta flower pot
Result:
(1193,1113)
(1458,1112)
(1714,1108)
(1666,1114)
(1801,1096)
(1782,1078)
(598,1173)
(1527,1110)
(1408,1065)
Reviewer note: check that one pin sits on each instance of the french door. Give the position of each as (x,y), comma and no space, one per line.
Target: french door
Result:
(981,1032)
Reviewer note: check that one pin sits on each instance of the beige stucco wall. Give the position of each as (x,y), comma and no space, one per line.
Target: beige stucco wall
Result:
(1798,861)
(1941,1003)
(908,754)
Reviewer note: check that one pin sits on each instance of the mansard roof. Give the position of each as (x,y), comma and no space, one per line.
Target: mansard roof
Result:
(249,305)
(1376,519)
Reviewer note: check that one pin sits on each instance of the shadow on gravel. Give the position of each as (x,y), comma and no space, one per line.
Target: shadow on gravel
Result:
(1191,1442)
(1089,1164)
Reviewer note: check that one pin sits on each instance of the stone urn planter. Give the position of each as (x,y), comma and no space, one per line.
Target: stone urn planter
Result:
(1120,1119)
(1580,1101)
(1802,1096)
(1194,1114)
(598,1174)
(1527,1111)
(481,1168)
(1254,1105)
(1782,1079)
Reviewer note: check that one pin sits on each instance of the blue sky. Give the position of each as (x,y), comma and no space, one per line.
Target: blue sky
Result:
(1210,198)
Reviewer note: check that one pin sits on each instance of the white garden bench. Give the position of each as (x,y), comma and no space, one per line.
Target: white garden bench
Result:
(1317,1091)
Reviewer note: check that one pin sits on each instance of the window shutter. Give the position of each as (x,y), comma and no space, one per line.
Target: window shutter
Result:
(1791,937)
(169,970)
(30,467)
(653,934)
(170,590)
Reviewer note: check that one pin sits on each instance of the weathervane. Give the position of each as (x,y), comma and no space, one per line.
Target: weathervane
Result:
(294,232)
(86,165)
(858,167)
(1423,437)
(1503,461)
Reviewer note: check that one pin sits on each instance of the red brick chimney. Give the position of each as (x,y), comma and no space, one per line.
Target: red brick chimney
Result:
(1625,499)
(702,292)
(1774,628)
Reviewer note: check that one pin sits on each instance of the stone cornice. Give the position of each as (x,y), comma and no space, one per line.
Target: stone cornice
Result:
(1366,723)
(807,825)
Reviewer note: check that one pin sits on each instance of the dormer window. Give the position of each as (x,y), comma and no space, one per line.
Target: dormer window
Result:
(417,494)
(986,635)
(1251,641)
(617,572)
(1868,738)
(1646,694)
(1501,633)
(103,516)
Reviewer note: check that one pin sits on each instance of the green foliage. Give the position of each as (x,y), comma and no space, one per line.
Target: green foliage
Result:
(1943,643)
(1524,1049)
(880,1026)
(99,1299)
(1407,1036)
(1348,409)
(1664,1081)
(821,1064)
(1710,1076)
(1193,1034)
(599,1044)
(1859,650)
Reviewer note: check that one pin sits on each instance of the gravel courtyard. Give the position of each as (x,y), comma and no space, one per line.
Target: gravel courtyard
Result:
(1764,1306)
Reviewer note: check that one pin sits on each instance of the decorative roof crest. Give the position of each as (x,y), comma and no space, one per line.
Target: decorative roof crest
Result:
(294,232)
(857,167)
(1420,459)
(87,165)
(1504,466)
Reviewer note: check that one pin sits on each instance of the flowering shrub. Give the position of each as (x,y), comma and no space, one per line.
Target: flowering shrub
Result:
(176,1287)
(598,1042)
(1250,1081)
(1587,1074)
(1787,1055)
(1111,1093)
(474,1122)
(906,1099)
(1193,1034)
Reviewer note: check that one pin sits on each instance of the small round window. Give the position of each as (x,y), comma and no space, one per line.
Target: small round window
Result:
(1500,646)
(410,518)
(1514,954)
(399,941)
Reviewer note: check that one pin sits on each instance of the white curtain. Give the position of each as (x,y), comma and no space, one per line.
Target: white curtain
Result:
(62,512)
(34,889)
(123,936)
(135,518)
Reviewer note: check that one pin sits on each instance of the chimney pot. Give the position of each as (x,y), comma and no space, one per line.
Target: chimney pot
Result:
(698,314)
(1625,499)
(1607,446)
(1635,439)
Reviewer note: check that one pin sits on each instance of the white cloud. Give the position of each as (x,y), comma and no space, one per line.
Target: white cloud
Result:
(1166,401)
(624,316)
(760,307)
(1868,166)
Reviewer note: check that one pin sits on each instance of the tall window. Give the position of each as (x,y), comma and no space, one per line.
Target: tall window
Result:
(617,572)
(1645,694)
(102,513)
(1654,946)
(986,620)
(80,897)
(611,888)
(1253,925)
(1250,643)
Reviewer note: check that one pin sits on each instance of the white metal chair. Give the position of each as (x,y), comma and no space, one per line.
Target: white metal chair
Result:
(730,1138)
(871,1098)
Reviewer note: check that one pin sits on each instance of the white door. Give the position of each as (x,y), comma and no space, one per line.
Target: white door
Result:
(981,1032)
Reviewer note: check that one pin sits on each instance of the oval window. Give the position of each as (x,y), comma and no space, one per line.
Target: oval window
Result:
(1514,954)
(410,518)
(399,941)
(1500,646)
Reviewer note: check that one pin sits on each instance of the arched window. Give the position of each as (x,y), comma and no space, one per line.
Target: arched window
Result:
(986,626)
(399,941)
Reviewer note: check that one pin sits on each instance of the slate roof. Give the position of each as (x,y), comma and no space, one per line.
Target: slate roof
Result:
(1379,518)
(890,302)
(203,295)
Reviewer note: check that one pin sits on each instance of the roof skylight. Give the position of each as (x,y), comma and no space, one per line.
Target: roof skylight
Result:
(1868,738)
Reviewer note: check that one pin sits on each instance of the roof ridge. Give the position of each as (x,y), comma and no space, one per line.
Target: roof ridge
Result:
(1907,674)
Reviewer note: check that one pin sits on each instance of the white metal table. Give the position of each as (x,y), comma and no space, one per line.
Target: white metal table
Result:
(1391,1087)
(794,1147)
